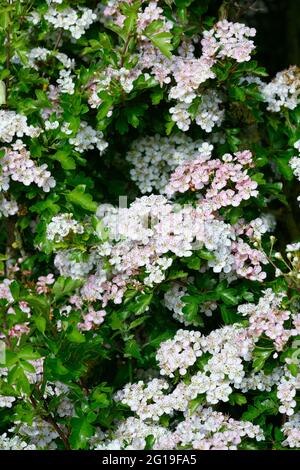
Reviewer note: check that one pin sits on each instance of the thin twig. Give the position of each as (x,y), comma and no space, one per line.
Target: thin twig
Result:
(49,419)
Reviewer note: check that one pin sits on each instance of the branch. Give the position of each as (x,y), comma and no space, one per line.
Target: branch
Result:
(49,419)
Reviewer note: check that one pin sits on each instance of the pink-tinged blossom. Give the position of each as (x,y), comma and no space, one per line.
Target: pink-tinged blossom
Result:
(5,292)
(268,318)
(228,39)
(217,174)
(43,283)
(18,330)
(283,91)
(248,261)
(18,166)
(92,319)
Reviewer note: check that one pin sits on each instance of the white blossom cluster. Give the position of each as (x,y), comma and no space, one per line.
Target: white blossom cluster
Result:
(228,39)
(260,380)
(256,227)
(225,39)
(88,138)
(295,161)
(13,124)
(143,238)
(39,433)
(189,73)
(7,207)
(211,430)
(61,226)
(225,351)
(36,55)
(283,91)
(69,19)
(208,114)
(286,392)
(68,264)
(184,73)
(17,165)
(206,429)
(131,434)
(291,430)
(176,231)
(269,318)
(227,347)
(65,82)
(181,352)
(14,443)
(6,401)
(155,157)
(65,406)
(173,302)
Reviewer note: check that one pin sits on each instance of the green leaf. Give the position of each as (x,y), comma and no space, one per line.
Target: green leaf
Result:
(10,358)
(28,353)
(38,303)
(63,286)
(260,356)
(157,95)
(81,432)
(160,39)
(138,321)
(294,369)
(237,399)
(130,11)
(193,262)
(229,317)
(104,108)
(195,403)
(237,93)
(230,297)
(141,303)
(76,337)
(190,311)
(40,323)
(18,378)
(100,397)
(27,366)
(205,254)
(132,349)
(80,198)
(14,288)
(56,366)
(63,157)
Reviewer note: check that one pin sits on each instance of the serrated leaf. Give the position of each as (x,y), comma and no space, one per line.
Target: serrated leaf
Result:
(132,349)
(63,286)
(81,432)
(80,198)
(63,157)
(76,337)
(160,39)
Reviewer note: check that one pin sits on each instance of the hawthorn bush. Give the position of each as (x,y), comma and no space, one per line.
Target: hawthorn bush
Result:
(149,230)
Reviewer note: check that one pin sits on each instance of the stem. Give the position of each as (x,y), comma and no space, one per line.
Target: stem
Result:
(124,51)
(49,419)
(8,51)
(58,39)
(10,230)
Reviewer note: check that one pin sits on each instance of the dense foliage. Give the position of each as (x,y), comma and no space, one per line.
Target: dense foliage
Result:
(149,230)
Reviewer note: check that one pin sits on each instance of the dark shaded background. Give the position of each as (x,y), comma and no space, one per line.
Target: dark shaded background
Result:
(278,28)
